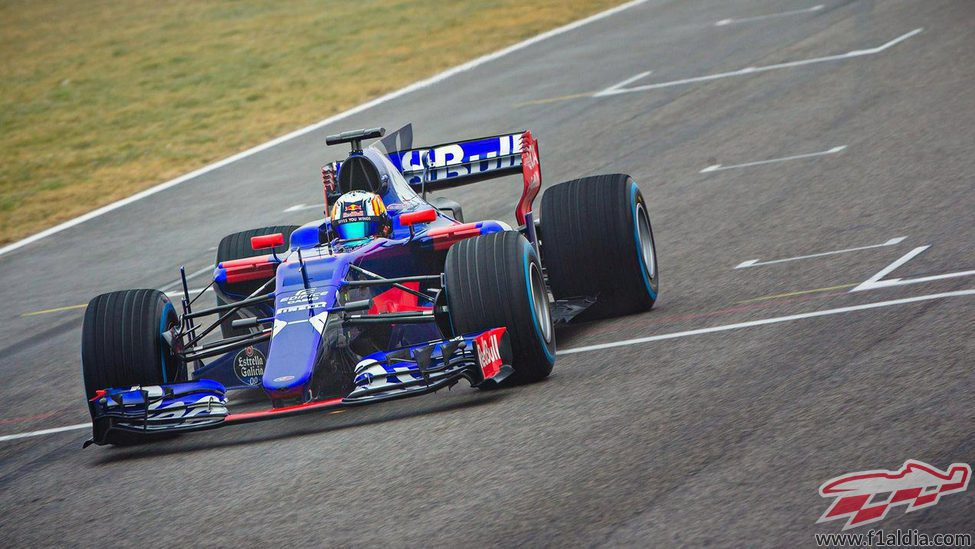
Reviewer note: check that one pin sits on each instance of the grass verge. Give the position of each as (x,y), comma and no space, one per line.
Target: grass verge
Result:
(100,99)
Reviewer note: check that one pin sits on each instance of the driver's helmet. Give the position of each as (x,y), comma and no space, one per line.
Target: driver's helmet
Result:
(359,215)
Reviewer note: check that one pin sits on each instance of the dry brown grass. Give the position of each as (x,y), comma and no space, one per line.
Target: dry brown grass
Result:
(101,98)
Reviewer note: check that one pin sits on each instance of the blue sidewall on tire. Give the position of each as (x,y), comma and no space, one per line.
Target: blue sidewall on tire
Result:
(636,241)
(531,303)
(162,342)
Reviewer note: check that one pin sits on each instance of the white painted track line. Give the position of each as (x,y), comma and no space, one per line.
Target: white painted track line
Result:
(618,89)
(303,207)
(179,293)
(79,426)
(307,129)
(194,274)
(889,268)
(875,281)
(618,85)
(757,263)
(763,322)
(719,167)
(675,335)
(724,22)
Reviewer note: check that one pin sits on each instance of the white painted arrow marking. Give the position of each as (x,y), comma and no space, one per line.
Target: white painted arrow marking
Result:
(876,281)
(618,88)
(719,167)
(724,22)
(756,263)
(614,87)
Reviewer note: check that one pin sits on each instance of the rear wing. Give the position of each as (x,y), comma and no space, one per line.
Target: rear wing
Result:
(464,162)
(452,164)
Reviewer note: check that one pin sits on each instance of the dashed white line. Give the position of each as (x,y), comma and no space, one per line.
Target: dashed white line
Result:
(875,281)
(724,22)
(757,263)
(618,88)
(720,167)
(763,322)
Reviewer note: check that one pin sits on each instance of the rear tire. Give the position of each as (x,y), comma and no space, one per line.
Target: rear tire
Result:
(122,344)
(496,280)
(597,241)
(238,246)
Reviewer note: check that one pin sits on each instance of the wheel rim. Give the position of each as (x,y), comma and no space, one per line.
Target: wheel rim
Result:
(540,302)
(646,241)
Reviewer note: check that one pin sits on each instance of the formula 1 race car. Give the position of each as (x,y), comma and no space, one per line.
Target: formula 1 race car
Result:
(315,321)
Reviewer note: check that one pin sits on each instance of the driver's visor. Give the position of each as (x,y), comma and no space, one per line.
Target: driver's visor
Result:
(354,230)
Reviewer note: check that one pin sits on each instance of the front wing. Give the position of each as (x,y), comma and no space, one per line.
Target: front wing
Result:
(121,415)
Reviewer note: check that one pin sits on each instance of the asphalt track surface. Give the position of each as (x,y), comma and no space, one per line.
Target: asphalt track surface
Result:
(710,437)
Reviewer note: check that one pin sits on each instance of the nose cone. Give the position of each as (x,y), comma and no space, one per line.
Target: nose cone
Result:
(291,360)
(296,342)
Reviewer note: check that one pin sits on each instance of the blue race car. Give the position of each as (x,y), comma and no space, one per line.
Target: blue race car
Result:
(390,295)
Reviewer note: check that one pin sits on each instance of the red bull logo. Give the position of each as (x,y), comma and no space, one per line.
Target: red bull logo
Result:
(866,497)
(489,352)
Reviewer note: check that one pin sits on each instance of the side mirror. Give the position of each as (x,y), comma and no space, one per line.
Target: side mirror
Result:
(267,241)
(422,216)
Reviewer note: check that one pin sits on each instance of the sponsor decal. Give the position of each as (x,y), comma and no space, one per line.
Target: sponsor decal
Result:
(865,497)
(529,159)
(305,307)
(532,175)
(460,159)
(249,365)
(328,178)
(489,352)
(310,294)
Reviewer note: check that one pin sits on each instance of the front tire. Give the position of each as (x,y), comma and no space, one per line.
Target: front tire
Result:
(597,241)
(496,281)
(122,343)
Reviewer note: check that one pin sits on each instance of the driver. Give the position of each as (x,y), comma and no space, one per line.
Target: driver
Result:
(359,216)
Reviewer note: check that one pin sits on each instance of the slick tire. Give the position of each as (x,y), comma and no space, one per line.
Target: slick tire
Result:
(122,343)
(496,281)
(238,246)
(597,241)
